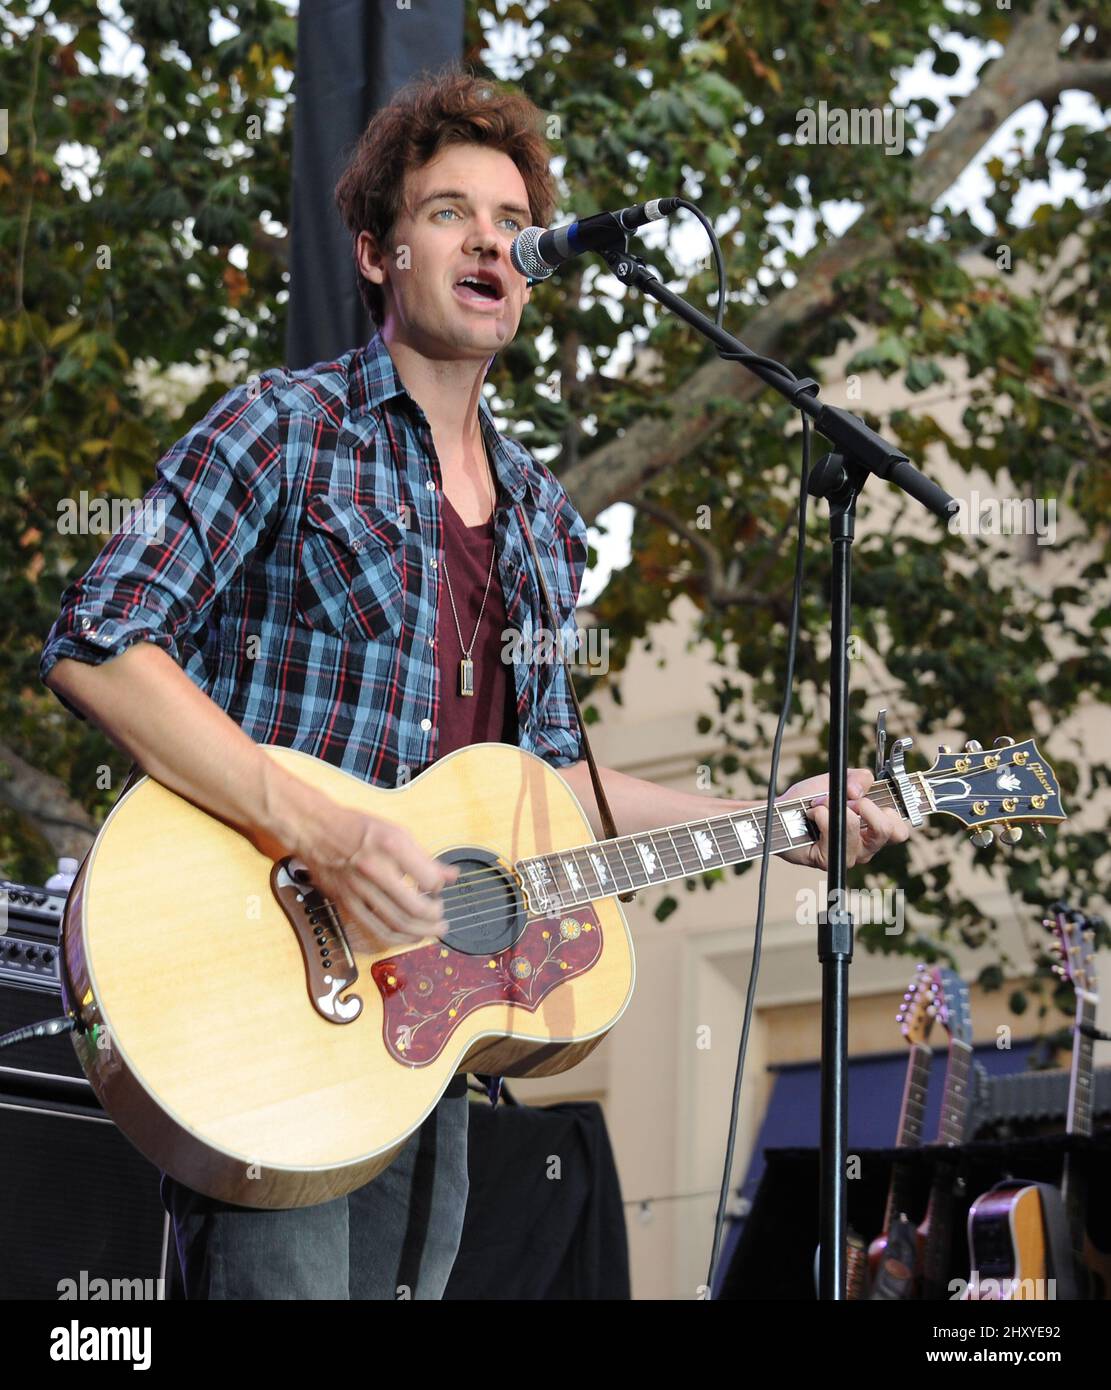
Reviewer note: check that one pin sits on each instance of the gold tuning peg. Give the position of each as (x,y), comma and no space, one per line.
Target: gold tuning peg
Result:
(982,837)
(973,746)
(1011,834)
(1039,829)
(1003,741)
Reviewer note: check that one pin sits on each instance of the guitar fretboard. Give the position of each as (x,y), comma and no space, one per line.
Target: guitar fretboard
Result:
(570,878)
(1080,1079)
(909,1134)
(1079,1121)
(954,1101)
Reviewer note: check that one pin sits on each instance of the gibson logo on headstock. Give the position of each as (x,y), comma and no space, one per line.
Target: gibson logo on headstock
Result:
(1039,773)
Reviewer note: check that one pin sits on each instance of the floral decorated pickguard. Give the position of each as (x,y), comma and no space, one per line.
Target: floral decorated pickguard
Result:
(428,991)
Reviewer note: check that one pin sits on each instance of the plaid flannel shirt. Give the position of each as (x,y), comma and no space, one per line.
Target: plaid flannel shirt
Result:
(297,579)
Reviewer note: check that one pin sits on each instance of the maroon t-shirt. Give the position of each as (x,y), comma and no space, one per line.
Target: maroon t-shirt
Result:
(490,714)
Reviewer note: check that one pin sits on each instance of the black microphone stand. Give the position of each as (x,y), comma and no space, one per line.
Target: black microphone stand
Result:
(839,477)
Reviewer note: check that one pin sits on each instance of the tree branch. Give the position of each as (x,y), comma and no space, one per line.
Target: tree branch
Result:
(717,589)
(44,800)
(1026,71)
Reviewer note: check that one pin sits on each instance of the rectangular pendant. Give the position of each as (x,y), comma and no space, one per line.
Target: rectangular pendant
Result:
(466,676)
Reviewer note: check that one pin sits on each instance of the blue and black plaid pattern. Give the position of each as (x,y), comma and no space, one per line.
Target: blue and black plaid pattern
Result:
(297,579)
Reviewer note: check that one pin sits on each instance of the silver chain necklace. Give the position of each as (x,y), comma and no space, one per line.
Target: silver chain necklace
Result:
(466,666)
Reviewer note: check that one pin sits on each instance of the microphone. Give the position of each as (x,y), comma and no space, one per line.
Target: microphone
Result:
(537,253)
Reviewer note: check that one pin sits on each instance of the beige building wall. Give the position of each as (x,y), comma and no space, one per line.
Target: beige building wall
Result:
(666,1097)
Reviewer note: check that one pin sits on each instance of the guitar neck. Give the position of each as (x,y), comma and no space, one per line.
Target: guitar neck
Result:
(605,868)
(909,1133)
(952,1130)
(1079,1121)
(955,1097)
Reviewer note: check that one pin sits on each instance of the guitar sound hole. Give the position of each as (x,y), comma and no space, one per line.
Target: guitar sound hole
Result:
(484,910)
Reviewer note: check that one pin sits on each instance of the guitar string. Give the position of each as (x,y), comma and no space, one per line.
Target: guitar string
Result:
(459,923)
(486,873)
(780,841)
(882,795)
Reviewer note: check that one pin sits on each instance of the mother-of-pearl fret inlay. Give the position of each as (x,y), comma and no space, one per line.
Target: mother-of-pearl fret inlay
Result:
(627,862)
(540,878)
(747,832)
(647,857)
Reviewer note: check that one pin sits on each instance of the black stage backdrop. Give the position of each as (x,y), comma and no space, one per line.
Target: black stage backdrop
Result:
(774,1258)
(534,1230)
(352,56)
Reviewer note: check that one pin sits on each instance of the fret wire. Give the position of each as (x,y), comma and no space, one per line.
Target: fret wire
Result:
(709,834)
(638,844)
(748,818)
(554,870)
(693,851)
(678,855)
(624,863)
(599,850)
(714,836)
(779,812)
(728,825)
(955,1096)
(666,849)
(582,861)
(589,858)
(781,839)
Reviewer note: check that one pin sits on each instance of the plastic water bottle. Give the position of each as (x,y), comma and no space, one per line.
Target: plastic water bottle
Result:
(67,872)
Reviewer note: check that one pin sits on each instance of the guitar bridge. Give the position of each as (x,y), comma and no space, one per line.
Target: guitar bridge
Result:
(329,966)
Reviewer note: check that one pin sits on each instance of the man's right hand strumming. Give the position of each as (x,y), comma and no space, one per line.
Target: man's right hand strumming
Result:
(376,873)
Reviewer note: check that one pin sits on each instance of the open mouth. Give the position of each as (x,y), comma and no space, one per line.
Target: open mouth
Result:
(475,291)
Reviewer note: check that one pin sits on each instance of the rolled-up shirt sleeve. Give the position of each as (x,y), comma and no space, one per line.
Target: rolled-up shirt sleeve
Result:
(217,494)
(558,737)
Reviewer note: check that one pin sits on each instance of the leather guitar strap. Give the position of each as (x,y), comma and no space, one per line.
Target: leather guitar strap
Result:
(603,805)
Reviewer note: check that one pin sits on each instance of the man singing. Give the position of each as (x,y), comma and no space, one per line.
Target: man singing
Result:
(342,558)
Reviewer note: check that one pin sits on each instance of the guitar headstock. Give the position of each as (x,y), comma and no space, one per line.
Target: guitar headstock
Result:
(1073,947)
(995,789)
(953,1010)
(919,1007)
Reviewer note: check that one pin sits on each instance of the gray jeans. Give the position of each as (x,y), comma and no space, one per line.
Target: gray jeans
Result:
(396,1237)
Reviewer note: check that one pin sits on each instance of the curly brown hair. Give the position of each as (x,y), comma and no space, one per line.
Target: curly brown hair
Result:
(451,106)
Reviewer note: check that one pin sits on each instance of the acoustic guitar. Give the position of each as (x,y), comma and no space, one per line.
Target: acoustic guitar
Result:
(915,1019)
(893,1255)
(1008,1242)
(1075,949)
(935,1234)
(258,1048)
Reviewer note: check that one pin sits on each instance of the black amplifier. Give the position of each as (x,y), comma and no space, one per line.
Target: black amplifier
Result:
(30,933)
(31,990)
(97,1212)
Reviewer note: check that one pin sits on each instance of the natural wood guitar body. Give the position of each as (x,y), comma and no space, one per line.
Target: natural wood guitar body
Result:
(202,1040)
(1006,1237)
